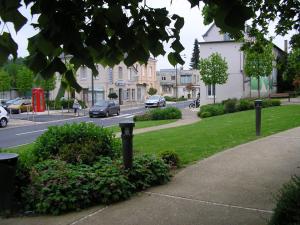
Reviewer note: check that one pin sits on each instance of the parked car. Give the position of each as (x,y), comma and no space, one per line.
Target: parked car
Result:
(3,103)
(3,117)
(19,106)
(10,102)
(155,101)
(104,108)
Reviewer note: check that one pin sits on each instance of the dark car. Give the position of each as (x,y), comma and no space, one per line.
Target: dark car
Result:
(104,108)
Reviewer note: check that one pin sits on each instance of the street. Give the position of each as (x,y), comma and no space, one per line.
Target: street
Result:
(15,136)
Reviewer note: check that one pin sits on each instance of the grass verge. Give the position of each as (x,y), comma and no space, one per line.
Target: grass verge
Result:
(214,134)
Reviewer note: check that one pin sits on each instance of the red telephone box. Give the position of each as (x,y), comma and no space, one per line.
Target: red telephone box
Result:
(38,100)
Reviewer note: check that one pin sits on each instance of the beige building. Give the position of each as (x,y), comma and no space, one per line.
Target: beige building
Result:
(129,83)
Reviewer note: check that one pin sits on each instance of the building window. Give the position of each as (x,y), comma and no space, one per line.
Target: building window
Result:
(120,73)
(185,79)
(127,94)
(111,90)
(226,37)
(133,94)
(83,74)
(150,71)
(163,78)
(172,77)
(166,89)
(211,90)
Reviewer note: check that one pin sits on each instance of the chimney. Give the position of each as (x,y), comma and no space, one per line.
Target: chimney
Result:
(285,46)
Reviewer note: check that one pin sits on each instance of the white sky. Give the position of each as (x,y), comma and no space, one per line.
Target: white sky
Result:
(193,28)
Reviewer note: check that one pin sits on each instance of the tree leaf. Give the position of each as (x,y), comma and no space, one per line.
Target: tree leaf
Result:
(7,47)
(72,80)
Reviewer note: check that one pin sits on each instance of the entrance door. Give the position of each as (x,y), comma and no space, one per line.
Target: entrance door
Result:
(139,94)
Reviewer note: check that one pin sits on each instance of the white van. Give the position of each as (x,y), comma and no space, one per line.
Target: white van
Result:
(3,117)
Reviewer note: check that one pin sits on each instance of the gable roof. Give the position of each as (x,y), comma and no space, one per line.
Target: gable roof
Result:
(206,33)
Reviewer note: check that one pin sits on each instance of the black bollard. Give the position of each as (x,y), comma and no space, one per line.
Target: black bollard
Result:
(8,163)
(258,106)
(127,136)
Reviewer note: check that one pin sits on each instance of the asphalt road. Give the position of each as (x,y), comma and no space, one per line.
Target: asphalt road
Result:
(16,136)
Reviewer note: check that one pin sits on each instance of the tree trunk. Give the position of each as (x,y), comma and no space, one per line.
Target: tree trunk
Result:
(214,90)
(258,86)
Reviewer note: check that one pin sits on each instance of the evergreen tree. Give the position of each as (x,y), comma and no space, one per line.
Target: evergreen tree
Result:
(195,56)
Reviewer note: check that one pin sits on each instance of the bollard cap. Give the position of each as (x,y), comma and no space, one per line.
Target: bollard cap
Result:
(127,124)
(6,156)
(258,102)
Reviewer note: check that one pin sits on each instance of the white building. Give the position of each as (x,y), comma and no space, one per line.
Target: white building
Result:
(238,84)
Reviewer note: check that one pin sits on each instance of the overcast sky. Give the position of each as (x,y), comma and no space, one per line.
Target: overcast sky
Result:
(193,28)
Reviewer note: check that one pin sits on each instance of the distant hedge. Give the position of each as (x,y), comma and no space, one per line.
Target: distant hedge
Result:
(233,105)
(160,114)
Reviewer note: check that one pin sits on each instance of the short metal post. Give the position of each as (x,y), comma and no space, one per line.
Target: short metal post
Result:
(258,106)
(8,163)
(127,136)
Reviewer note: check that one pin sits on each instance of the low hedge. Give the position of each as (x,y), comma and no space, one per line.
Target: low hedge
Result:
(287,210)
(233,105)
(76,143)
(174,99)
(65,104)
(160,114)
(56,186)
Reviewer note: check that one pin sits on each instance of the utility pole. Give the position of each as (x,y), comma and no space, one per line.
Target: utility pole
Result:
(93,90)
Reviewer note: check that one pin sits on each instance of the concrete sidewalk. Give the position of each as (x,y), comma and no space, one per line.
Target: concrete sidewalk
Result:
(234,187)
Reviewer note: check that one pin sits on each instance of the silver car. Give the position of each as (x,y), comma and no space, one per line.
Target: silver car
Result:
(3,117)
(155,101)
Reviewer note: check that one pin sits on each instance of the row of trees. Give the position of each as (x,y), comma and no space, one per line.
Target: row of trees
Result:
(17,76)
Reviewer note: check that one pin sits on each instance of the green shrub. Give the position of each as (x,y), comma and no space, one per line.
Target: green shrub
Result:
(266,103)
(65,104)
(230,105)
(245,104)
(211,110)
(142,117)
(166,113)
(147,171)
(276,102)
(287,209)
(58,187)
(204,114)
(170,158)
(51,143)
(173,99)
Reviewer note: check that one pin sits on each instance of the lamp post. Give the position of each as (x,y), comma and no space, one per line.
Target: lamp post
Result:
(176,83)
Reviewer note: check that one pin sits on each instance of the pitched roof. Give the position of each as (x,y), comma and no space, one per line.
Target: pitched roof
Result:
(211,26)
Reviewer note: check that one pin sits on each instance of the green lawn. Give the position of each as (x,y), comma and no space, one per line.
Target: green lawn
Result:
(214,134)
(139,124)
(143,124)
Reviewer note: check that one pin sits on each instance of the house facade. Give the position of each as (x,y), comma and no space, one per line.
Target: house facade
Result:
(178,83)
(129,83)
(238,84)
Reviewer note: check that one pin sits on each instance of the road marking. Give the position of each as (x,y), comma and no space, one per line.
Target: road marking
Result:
(19,145)
(89,215)
(129,117)
(210,203)
(31,132)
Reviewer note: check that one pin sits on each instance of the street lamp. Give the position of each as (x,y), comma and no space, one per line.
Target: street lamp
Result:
(127,136)
(176,87)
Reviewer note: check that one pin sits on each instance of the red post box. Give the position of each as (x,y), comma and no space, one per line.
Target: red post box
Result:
(38,100)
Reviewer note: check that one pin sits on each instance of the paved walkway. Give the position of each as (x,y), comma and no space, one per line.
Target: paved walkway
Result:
(234,187)
(189,116)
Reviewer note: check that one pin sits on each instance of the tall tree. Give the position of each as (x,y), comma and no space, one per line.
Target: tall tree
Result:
(213,70)
(24,80)
(4,81)
(292,71)
(259,63)
(195,56)
(129,30)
